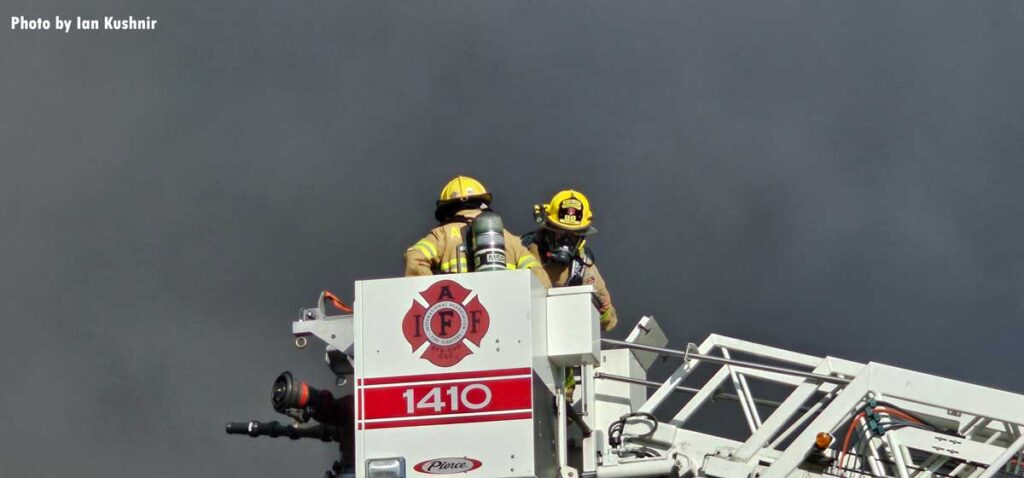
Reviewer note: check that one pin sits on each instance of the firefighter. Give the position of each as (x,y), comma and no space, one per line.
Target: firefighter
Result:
(559,244)
(444,249)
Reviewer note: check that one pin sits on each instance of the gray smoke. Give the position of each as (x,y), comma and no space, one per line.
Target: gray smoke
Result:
(837,178)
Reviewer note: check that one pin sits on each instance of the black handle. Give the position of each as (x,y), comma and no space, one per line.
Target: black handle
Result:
(275,429)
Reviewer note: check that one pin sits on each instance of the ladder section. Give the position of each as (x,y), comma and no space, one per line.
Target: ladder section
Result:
(840,418)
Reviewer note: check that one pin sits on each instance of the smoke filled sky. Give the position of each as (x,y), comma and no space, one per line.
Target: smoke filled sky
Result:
(836,178)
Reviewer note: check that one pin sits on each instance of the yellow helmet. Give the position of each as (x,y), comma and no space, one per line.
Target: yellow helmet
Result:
(568,210)
(461,189)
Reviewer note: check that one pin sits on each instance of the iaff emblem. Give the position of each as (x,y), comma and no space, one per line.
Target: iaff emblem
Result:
(450,316)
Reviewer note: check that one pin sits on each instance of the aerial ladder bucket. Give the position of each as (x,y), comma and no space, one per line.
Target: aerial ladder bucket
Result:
(465,374)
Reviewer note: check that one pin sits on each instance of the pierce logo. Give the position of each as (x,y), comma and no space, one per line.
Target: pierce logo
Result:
(452,315)
(447,466)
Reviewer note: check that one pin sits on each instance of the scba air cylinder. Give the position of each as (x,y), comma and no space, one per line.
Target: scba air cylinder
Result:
(488,243)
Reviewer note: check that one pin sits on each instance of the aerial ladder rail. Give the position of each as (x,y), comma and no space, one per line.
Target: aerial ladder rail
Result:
(867,420)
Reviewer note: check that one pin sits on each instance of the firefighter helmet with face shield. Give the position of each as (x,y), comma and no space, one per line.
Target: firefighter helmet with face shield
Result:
(568,210)
(566,220)
(462,192)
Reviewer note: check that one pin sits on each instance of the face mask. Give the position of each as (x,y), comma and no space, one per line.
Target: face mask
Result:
(561,247)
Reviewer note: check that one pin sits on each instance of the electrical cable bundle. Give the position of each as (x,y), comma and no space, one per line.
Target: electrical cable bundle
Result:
(896,419)
(615,438)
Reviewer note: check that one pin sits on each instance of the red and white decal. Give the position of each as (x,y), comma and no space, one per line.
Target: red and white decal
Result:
(446,398)
(447,466)
(452,316)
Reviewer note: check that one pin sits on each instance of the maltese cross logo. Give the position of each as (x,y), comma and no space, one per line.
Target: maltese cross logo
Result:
(447,317)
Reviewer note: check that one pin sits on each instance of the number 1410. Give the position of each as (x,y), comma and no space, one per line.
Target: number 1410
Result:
(450,398)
